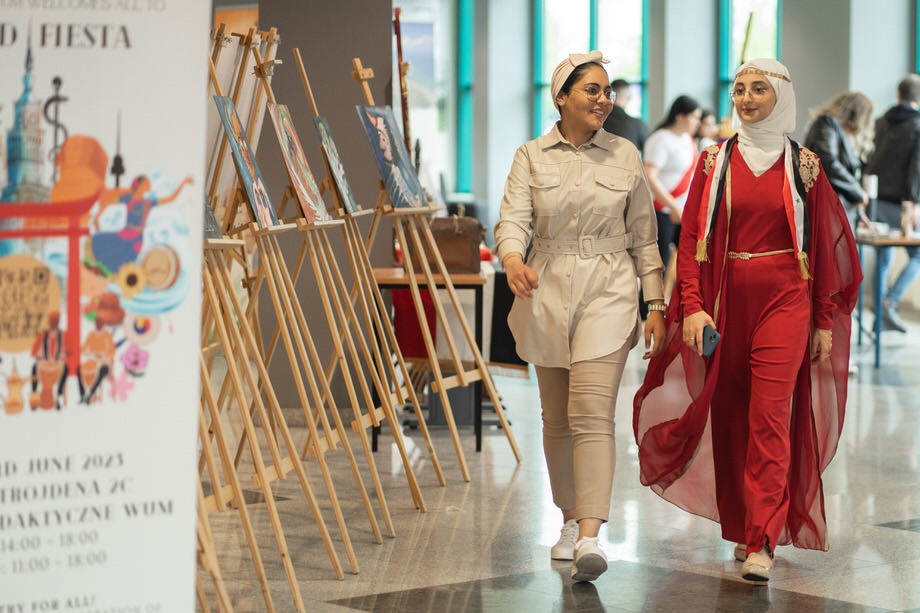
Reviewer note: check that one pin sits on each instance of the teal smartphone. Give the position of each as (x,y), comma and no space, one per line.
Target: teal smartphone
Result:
(711,338)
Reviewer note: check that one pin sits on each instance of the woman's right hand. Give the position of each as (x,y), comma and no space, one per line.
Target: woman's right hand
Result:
(693,330)
(522,279)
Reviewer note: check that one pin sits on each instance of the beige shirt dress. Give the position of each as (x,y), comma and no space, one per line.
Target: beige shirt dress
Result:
(588,214)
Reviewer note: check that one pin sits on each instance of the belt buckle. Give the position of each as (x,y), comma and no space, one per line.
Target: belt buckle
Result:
(586,246)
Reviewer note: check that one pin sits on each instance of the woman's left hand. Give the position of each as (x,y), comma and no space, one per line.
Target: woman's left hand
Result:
(821,345)
(654,331)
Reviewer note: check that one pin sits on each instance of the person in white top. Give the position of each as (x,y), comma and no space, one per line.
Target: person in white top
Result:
(578,197)
(670,156)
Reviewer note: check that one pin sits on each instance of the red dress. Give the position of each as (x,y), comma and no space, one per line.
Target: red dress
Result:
(742,437)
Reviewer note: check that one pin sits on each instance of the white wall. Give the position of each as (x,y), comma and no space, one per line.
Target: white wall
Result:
(691,52)
(881,46)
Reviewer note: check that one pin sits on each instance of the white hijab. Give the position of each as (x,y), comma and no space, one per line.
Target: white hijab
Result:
(763,142)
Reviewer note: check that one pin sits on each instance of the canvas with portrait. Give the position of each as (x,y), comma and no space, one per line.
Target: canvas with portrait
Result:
(246,167)
(393,159)
(311,203)
(335,163)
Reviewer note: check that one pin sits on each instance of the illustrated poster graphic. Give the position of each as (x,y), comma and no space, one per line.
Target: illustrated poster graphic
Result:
(102,117)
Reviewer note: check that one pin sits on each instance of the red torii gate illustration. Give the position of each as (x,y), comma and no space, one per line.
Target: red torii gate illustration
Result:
(71,211)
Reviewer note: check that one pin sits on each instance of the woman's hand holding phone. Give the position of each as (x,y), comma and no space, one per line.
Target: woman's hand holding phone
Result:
(693,330)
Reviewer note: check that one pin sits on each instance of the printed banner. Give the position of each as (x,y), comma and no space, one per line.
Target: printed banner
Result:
(102,140)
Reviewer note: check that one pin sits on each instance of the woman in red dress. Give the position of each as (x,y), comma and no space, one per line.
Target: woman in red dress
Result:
(767,258)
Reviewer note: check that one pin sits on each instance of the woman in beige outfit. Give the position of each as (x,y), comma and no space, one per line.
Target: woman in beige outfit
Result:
(579,198)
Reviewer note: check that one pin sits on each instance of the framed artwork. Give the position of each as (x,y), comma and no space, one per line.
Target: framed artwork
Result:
(335,163)
(311,203)
(393,160)
(246,166)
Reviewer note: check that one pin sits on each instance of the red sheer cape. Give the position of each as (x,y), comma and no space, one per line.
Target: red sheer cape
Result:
(671,408)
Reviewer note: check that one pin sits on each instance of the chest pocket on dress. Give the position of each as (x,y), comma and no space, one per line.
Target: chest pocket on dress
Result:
(544,191)
(612,192)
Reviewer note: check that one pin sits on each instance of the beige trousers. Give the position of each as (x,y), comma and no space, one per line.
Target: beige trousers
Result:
(578,431)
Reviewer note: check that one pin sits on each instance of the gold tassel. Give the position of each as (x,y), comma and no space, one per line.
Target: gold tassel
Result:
(701,255)
(803,264)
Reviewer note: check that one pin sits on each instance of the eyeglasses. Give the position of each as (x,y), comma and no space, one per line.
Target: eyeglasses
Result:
(594,93)
(758,92)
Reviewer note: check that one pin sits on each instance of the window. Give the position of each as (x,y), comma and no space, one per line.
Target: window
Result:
(565,27)
(616,27)
(621,32)
(465,36)
(748,29)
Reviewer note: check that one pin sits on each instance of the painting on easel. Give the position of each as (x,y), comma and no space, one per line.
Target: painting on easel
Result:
(311,203)
(246,166)
(393,159)
(211,227)
(335,163)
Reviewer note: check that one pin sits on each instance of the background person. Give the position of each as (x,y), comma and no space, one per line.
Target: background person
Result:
(620,122)
(669,158)
(579,195)
(896,161)
(707,134)
(841,136)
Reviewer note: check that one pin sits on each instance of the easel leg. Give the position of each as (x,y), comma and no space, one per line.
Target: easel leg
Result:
(256,454)
(325,269)
(282,312)
(386,333)
(246,332)
(480,363)
(299,316)
(432,351)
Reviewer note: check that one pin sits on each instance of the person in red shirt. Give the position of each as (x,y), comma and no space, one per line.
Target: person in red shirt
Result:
(766,257)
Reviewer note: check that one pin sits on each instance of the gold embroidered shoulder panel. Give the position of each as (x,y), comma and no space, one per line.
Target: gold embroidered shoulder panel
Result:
(809,167)
(710,152)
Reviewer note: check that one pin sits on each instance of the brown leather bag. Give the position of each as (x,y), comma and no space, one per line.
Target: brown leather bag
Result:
(458,240)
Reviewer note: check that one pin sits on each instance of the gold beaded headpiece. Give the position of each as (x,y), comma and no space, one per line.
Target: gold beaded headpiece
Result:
(763,72)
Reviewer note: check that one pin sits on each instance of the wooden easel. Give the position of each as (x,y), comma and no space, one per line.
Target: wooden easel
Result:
(413,223)
(248,41)
(373,311)
(215,297)
(219,499)
(240,346)
(207,560)
(316,245)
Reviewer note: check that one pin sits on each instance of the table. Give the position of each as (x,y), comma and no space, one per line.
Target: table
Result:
(877,240)
(397,278)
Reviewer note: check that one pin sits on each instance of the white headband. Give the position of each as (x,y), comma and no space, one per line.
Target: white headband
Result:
(567,66)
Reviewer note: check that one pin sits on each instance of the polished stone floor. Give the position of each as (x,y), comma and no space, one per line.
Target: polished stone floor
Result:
(484,545)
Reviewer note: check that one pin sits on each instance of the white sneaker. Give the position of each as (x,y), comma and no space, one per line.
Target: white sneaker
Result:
(564,549)
(741,552)
(757,567)
(590,562)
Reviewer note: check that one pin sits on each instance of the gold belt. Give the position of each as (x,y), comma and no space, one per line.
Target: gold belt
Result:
(744,255)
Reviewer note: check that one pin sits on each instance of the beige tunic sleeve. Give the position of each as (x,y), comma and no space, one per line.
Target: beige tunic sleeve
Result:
(586,303)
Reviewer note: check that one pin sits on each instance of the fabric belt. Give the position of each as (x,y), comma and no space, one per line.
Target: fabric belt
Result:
(585,246)
(744,255)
